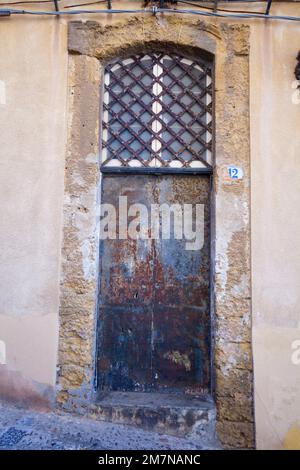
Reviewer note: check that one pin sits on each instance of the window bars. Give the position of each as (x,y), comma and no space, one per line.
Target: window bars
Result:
(157,113)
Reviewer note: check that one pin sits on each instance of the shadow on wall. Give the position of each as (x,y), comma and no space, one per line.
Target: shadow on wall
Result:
(16,389)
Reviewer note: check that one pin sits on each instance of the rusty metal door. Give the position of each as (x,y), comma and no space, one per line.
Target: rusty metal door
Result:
(154,299)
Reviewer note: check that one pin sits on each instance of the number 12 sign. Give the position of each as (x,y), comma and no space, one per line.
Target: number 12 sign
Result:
(235,173)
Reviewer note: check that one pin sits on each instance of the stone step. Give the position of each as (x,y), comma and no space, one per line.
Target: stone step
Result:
(25,429)
(176,414)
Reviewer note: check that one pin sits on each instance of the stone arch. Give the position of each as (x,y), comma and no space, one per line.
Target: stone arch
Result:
(139,34)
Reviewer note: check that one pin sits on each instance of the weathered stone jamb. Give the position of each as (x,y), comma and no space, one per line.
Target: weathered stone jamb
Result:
(91,46)
(80,240)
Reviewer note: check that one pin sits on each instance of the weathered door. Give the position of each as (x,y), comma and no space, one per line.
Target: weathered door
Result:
(154,314)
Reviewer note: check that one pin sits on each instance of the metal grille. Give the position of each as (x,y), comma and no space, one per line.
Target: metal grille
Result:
(157,113)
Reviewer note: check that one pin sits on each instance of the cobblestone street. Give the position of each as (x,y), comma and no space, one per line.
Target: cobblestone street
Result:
(27,429)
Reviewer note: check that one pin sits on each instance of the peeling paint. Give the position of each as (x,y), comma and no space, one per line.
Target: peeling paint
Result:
(178,358)
(2,92)
(2,352)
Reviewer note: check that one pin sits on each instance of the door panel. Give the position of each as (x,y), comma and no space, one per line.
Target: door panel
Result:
(181,348)
(125,361)
(126,296)
(181,325)
(154,320)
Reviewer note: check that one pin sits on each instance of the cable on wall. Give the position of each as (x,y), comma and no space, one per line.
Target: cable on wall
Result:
(217,14)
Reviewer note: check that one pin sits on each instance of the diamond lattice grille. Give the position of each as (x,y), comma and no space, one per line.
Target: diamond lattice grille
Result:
(157,113)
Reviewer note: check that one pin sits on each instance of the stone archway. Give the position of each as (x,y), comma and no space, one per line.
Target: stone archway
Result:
(91,46)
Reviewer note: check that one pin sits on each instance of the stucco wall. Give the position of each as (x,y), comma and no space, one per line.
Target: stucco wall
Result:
(275,152)
(33,116)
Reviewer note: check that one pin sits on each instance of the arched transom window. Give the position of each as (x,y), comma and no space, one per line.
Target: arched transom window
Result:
(157,113)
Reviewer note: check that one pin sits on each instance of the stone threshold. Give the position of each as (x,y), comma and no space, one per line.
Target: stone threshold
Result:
(175,414)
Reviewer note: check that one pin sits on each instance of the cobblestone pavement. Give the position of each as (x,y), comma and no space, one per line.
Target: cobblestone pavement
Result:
(27,429)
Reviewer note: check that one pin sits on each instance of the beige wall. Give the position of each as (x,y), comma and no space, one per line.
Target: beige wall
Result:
(33,114)
(33,65)
(275,157)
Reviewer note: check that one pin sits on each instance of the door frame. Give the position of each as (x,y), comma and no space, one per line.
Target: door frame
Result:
(91,45)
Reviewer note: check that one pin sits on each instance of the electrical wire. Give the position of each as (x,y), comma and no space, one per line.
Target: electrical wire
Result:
(83,4)
(213,7)
(198,3)
(245,16)
(27,2)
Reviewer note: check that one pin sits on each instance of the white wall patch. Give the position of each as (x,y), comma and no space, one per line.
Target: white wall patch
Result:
(2,353)
(2,92)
